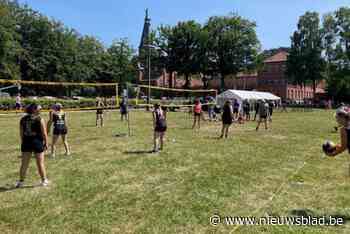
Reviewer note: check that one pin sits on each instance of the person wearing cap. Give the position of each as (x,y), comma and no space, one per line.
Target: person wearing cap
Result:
(159,126)
(342,117)
(34,140)
(264,114)
(59,121)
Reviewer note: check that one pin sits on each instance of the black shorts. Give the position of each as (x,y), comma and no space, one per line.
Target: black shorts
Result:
(18,105)
(227,121)
(160,129)
(99,112)
(235,110)
(57,131)
(32,146)
(123,112)
(197,114)
(263,116)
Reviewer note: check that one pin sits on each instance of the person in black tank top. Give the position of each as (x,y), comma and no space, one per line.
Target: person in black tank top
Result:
(59,122)
(160,126)
(227,118)
(33,141)
(123,109)
(343,119)
(99,111)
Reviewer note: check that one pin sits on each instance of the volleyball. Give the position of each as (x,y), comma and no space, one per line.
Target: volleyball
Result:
(328,147)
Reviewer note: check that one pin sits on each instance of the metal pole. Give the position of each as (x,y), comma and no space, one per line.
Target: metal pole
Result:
(149,75)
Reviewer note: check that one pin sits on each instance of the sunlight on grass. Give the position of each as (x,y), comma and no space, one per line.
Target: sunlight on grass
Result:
(111,184)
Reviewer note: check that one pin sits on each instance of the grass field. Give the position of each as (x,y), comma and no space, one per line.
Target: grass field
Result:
(111,185)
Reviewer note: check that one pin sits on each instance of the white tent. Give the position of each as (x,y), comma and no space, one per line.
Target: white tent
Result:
(242,95)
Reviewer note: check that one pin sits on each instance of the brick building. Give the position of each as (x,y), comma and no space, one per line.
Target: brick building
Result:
(272,78)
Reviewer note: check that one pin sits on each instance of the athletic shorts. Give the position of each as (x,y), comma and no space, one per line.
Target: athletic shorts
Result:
(263,116)
(235,110)
(57,131)
(18,105)
(32,146)
(227,121)
(160,129)
(99,112)
(197,114)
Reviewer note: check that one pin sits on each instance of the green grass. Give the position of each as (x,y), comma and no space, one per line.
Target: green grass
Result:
(110,187)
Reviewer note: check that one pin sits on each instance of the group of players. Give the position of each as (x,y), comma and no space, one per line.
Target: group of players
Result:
(34,131)
(231,114)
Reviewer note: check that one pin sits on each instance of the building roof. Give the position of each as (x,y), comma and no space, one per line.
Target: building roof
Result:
(279,57)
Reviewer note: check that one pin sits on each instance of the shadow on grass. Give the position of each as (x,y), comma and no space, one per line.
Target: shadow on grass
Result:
(89,126)
(309,213)
(11,188)
(137,152)
(121,135)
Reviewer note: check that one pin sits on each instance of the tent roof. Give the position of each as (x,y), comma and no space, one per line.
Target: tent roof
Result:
(248,95)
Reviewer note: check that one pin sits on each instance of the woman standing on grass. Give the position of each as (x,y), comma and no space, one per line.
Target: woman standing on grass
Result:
(197,113)
(99,111)
(123,109)
(59,121)
(159,126)
(227,118)
(34,139)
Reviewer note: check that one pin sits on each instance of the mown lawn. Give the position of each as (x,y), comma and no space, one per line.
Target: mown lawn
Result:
(112,185)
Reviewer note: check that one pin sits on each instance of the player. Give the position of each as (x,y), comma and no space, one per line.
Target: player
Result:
(18,102)
(227,118)
(263,114)
(60,128)
(197,113)
(99,111)
(34,140)
(159,126)
(343,119)
(123,109)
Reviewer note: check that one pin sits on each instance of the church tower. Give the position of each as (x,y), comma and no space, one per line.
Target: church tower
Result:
(145,34)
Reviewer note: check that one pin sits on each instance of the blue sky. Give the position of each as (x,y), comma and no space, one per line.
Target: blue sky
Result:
(111,19)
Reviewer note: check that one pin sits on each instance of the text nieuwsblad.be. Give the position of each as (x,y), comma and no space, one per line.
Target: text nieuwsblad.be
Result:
(297,221)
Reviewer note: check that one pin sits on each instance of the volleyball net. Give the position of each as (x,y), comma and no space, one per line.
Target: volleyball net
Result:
(72,95)
(177,98)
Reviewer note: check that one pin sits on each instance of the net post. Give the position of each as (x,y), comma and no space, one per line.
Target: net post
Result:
(137,96)
(116,95)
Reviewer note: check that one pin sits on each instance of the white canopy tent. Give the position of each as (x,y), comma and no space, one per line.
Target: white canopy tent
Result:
(242,95)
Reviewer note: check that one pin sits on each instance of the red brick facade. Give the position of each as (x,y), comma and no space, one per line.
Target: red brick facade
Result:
(271,79)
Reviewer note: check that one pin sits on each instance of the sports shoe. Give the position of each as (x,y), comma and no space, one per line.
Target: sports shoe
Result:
(44,183)
(19,184)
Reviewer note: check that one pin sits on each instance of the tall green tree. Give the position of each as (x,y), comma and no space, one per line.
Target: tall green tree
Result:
(233,45)
(121,54)
(183,48)
(9,47)
(336,26)
(305,62)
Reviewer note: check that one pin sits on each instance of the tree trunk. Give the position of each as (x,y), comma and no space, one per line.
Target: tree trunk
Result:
(314,89)
(187,81)
(170,79)
(222,82)
(205,82)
